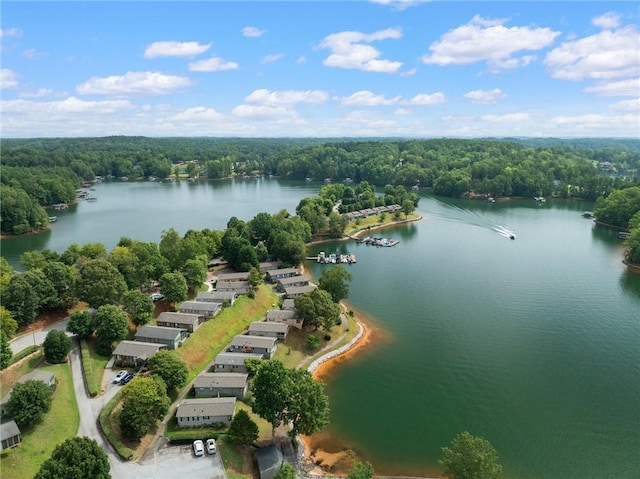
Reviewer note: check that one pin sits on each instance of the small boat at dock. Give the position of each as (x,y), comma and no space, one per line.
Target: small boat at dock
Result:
(53,219)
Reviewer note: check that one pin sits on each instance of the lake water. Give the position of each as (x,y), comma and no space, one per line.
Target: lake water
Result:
(533,343)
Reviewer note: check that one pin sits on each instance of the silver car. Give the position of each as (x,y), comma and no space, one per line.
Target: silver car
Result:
(198,448)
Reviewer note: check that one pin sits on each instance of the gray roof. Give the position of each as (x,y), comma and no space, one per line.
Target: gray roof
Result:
(281,314)
(179,318)
(221,380)
(8,430)
(242,340)
(235,358)
(222,277)
(284,282)
(216,295)
(269,265)
(159,332)
(207,407)
(285,271)
(137,349)
(289,304)
(233,285)
(200,305)
(268,326)
(299,289)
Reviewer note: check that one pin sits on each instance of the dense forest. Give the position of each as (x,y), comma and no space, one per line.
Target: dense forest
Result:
(49,170)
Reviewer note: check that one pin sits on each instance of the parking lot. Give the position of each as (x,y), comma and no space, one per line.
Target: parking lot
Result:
(172,462)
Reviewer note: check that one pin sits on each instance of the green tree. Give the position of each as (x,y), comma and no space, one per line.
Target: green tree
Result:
(171,248)
(76,458)
(270,392)
(145,401)
(174,287)
(5,351)
(81,323)
(195,272)
(99,283)
(619,207)
(408,207)
(286,471)
(111,326)
(170,368)
(56,347)
(308,405)
(360,470)
(138,306)
(63,279)
(335,280)
(470,457)
(242,429)
(317,309)
(21,299)
(255,277)
(8,325)
(29,402)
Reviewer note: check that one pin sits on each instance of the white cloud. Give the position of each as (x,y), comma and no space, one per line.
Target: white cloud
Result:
(399,4)
(368,98)
(506,118)
(134,84)
(402,112)
(409,73)
(607,21)
(630,105)
(197,114)
(594,122)
(490,41)
(286,97)
(71,105)
(272,58)
(350,50)
(213,64)
(364,119)
(263,112)
(603,56)
(10,33)
(301,60)
(485,97)
(33,54)
(427,99)
(629,87)
(8,79)
(175,49)
(252,32)
(44,92)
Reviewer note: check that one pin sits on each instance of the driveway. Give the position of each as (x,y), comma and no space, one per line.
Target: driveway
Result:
(166,462)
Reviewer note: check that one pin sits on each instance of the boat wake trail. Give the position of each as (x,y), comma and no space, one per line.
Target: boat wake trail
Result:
(458,214)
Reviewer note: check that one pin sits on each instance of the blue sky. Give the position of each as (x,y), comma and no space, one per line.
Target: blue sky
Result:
(322,69)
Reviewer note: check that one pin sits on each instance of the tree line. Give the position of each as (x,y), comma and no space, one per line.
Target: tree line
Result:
(48,170)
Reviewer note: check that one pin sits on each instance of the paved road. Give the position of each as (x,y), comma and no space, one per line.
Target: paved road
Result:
(37,337)
(166,462)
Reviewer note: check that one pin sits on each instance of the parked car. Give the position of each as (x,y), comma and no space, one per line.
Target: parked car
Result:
(119,376)
(198,447)
(127,378)
(157,297)
(211,446)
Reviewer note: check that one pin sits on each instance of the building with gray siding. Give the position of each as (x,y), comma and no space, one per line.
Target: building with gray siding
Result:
(205,411)
(208,309)
(270,329)
(233,362)
(243,343)
(221,385)
(187,321)
(170,337)
(224,297)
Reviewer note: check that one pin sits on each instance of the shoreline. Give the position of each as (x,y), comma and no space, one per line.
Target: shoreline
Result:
(323,365)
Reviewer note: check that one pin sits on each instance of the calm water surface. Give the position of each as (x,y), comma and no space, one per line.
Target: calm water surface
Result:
(533,343)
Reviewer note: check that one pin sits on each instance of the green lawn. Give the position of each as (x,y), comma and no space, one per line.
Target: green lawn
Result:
(212,337)
(39,440)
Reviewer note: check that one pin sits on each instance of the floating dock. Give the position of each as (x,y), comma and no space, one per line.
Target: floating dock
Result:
(375,241)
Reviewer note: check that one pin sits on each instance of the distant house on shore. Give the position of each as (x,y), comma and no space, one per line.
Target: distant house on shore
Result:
(291,282)
(205,411)
(232,277)
(286,316)
(293,292)
(238,287)
(276,274)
